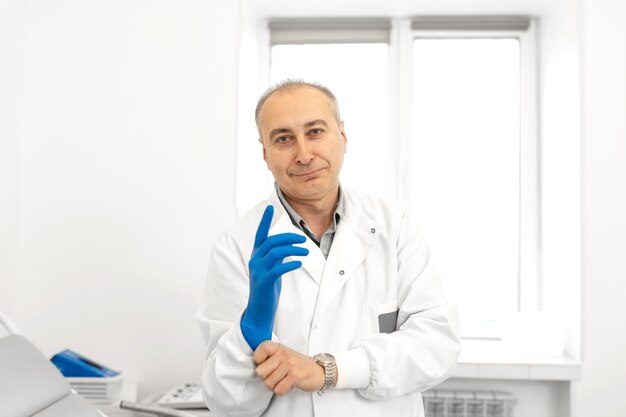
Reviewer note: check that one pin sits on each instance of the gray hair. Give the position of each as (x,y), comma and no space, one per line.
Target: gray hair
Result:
(289,84)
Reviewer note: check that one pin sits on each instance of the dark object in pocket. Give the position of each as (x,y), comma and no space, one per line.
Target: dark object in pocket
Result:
(387,322)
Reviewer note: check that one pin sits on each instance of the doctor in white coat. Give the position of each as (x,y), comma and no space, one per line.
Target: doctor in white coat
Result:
(355,313)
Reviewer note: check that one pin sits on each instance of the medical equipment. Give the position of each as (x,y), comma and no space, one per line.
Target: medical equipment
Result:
(159,411)
(106,390)
(31,386)
(94,382)
(72,364)
(183,396)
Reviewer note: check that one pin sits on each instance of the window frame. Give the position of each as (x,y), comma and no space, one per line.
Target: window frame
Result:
(401,35)
(524,29)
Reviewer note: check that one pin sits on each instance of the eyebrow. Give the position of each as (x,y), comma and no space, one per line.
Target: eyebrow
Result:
(306,125)
(316,122)
(279,130)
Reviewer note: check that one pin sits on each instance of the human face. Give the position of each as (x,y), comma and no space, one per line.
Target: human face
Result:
(303,143)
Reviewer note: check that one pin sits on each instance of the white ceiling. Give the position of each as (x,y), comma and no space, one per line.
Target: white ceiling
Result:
(394,8)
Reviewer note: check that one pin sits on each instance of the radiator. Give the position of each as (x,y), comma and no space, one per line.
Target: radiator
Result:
(456,403)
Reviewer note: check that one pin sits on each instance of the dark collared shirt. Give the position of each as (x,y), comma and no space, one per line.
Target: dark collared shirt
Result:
(327,238)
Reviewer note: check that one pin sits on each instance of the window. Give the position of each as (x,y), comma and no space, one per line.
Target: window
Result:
(357,74)
(471,163)
(465,166)
(439,115)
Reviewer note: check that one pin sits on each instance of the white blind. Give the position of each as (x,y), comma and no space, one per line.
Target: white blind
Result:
(492,22)
(320,31)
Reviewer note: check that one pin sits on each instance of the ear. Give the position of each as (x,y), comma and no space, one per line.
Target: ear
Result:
(264,152)
(344,137)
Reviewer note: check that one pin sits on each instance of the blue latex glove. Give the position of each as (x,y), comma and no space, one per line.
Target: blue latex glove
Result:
(266,268)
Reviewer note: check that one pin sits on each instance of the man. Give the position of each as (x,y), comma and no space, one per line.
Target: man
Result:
(320,301)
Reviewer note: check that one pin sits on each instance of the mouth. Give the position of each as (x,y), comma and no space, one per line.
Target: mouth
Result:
(308,173)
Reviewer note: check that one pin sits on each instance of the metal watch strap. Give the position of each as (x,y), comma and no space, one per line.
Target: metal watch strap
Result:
(327,361)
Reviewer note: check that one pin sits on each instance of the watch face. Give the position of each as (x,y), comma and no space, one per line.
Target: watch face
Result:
(324,357)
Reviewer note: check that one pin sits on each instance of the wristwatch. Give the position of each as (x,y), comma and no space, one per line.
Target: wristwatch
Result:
(327,361)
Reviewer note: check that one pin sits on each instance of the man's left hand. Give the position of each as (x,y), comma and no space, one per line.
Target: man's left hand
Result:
(283,369)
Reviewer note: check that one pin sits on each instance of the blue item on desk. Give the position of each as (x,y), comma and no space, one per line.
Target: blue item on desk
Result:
(71,364)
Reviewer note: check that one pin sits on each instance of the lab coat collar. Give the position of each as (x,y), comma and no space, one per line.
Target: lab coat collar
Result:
(356,234)
(314,262)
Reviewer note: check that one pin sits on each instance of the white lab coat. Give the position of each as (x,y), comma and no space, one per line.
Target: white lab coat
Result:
(378,265)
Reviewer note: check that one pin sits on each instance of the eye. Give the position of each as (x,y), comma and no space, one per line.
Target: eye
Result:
(316,132)
(281,139)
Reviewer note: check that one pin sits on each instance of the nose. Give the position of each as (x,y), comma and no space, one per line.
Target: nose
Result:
(304,151)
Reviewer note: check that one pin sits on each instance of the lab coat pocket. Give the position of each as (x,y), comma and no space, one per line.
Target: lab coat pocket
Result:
(383,317)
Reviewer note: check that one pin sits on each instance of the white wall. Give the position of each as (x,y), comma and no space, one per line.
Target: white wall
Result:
(603,44)
(12,30)
(126,175)
(559,136)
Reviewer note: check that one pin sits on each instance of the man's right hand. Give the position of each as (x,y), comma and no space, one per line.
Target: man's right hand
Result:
(282,369)
(266,268)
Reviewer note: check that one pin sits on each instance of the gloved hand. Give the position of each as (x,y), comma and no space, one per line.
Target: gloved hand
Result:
(266,268)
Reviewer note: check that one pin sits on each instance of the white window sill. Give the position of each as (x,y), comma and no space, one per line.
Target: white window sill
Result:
(491,360)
